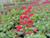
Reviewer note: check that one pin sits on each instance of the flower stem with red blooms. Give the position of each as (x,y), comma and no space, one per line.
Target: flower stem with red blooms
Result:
(25,21)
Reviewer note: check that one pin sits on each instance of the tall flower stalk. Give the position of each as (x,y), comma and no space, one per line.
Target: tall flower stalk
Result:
(26,24)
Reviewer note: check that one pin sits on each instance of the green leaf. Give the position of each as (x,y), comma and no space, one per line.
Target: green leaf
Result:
(36,36)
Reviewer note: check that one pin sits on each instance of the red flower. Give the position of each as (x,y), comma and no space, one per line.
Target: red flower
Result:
(21,16)
(31,31)
(24,7)
(28,32)
(24,22)
(32,25)
(27,11)
(20,22)
(28,26)
(25,31)
(24,13)
(25,17)
(18,30)
(29,21)
(19,27)
(30,7)
(30,14)
(21,30)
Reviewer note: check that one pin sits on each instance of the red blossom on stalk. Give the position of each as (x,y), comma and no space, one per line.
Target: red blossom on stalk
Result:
(29,25)
(21,22)
(30,7)
(18,30)
(24,13)
(27,11)
(28,32)
(24,7)
(29,21)
(26,17)
(19,27)
(25,21)
(23,17)
(30,14)
(21,30)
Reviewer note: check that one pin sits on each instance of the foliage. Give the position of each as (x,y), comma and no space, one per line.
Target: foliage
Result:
(41,21)
(35,36)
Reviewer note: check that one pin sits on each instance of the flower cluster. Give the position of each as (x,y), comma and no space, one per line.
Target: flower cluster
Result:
(25,21)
